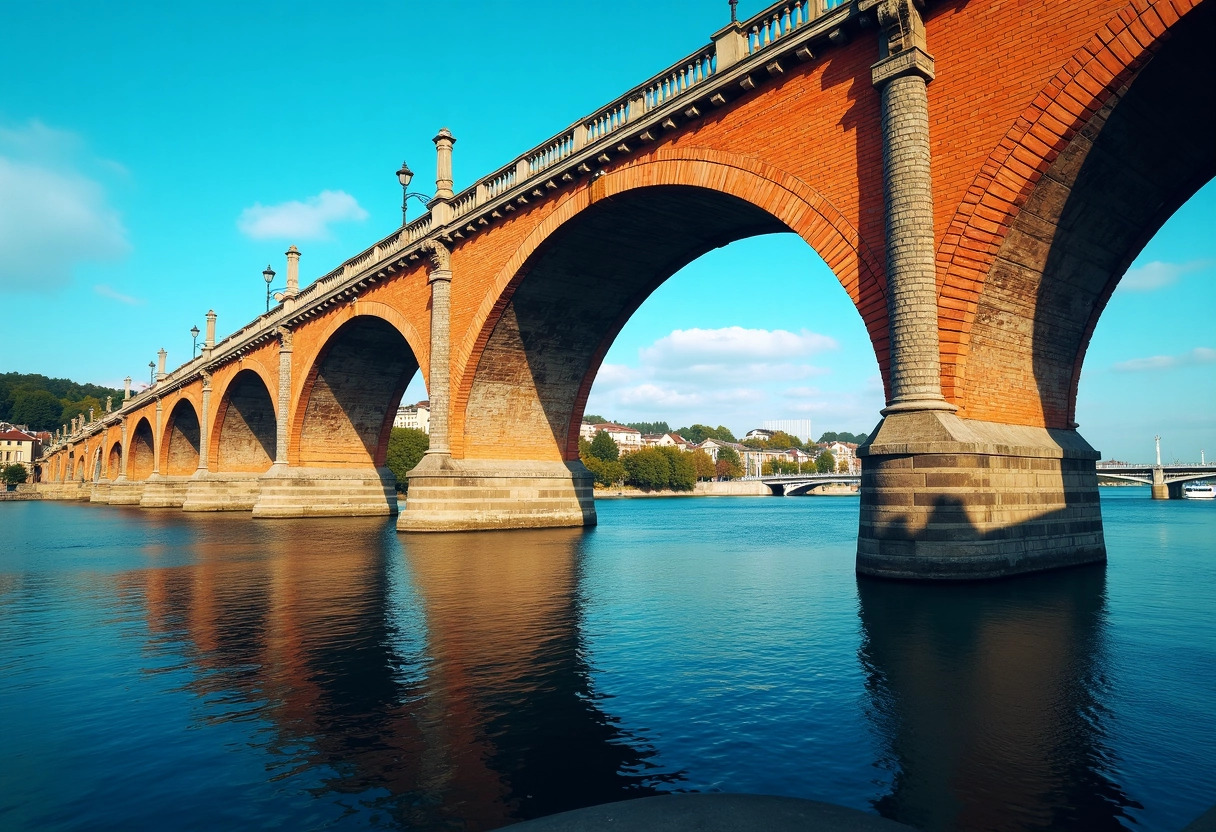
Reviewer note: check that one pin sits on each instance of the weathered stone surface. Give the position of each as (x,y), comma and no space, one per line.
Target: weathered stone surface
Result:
(326,492)
(222,492)
(450,495)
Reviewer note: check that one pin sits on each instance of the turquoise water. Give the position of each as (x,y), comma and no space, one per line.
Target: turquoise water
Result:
(163,670)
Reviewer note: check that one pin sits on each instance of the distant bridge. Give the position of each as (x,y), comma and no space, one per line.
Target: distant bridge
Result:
(793,485)
(1166,480)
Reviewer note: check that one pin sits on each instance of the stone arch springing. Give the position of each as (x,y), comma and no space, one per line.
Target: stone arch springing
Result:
(350,394)
(245,426)
(141,458)
(1083,180)
(526,367)
(181,441)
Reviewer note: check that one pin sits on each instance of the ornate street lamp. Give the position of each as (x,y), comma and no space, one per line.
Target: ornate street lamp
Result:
(268,276)
(194,334)
(405,176)
(151,370)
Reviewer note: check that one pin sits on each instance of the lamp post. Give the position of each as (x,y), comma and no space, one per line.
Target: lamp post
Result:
(151,370)
(268,276)
(194,330)
(405,176)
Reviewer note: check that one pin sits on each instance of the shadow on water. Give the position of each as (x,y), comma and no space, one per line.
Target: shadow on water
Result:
(445,686)
(986,700)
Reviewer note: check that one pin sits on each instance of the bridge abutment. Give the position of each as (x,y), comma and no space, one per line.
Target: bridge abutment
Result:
(945,498)
(235,491)
(326,492)
(164,491)
(448,494)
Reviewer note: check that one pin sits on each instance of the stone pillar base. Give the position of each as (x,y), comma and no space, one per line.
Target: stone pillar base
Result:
(222,492)
(126,492)
(326,492)
(100,492)
(1159,491)
(164,492)
(448,495)
(944,498)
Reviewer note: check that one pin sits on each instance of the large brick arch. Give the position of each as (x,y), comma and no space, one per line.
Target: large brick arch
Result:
(350,394)
(245,427)
(525,367)
(181,441)
(141,457)
(1121,137)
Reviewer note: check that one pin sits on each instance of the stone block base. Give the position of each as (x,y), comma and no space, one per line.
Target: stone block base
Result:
(944,498)
(126,492)
(74,490)
(100,492)
(460,495)
(164,492)
(222,492)
(326,492)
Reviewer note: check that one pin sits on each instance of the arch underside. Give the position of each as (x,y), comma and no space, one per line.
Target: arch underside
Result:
(1135,162)
(182,441)
(141,458)
(352,393)
(571,299)
(247,427)
(114,461)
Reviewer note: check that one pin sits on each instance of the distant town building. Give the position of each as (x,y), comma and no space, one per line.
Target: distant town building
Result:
(843,452)
(759,433)
(19,445)
(627,439)
(794,427)
(416,416)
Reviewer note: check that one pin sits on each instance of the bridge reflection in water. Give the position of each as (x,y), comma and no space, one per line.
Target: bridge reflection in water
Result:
(452,687)
(988,702)
(448,689)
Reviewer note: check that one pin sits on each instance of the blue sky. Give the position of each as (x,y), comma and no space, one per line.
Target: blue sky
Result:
(155,157)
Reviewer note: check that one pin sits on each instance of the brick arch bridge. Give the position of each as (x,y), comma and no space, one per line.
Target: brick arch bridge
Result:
(978,175)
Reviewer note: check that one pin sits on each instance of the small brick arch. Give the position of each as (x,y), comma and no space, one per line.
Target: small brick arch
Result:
(249,443)
(180,442)
(141,454)
(346,401)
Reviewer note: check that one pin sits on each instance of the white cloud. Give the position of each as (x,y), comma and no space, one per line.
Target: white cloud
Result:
(295,220)
(734,345)
(731,376)
(1199,355)
(1158,274)
(52,216)
(107,292)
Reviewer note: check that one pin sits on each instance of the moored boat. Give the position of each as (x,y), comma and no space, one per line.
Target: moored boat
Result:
(1199,491)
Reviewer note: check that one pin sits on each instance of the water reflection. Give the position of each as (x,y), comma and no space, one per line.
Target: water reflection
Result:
(443,686)
(987,702)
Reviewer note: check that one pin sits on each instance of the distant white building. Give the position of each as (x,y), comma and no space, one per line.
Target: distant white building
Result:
(759,433)
(627,439)
(843,452)
(416,416)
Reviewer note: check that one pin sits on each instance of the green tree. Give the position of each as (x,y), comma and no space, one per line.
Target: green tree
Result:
(405,449)
(80,407)
(729,466)
(604,447)
(681,470)
(13,474)
(703,464)
(584,448)
(825,463)
(40,409)
(647,469)
(606,473)
(593,419)
(784,441)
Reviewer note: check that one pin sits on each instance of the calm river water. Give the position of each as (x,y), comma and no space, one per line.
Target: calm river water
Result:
(161,670)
